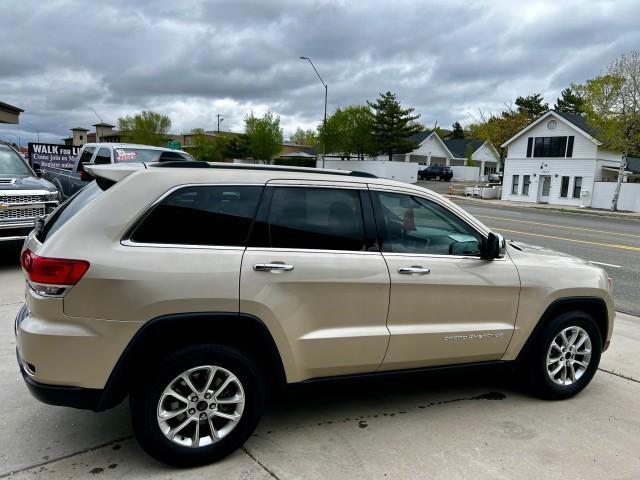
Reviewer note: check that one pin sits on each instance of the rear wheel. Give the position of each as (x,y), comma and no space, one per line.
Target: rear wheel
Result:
(203,404)
(565,357)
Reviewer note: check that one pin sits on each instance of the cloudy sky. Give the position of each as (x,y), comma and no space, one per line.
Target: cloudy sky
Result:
(191,59)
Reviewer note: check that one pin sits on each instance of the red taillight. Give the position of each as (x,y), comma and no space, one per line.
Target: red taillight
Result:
(53,271)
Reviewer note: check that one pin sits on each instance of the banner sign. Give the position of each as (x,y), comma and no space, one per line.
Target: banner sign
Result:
(52,155)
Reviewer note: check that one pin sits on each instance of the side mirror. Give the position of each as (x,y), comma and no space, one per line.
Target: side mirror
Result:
(37,169)
(495,246)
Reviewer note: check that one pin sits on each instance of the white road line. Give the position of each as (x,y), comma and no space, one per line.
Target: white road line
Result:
(605,264)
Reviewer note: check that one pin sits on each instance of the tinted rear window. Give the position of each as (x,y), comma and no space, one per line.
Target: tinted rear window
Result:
(67,210)
(316,218)
(123,155)
(201,215)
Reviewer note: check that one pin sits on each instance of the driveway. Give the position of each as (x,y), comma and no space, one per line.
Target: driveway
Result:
(445,425)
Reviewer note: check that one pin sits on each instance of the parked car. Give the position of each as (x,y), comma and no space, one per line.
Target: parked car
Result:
(23,196)
(195,288)
(495,177)
(436,172)
(69,182)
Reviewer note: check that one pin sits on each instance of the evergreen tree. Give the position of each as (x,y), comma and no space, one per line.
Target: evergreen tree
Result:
(457,131)
(570,101)
(393,125)
(532,105)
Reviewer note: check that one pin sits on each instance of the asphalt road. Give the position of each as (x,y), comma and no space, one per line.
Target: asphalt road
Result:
(611,243)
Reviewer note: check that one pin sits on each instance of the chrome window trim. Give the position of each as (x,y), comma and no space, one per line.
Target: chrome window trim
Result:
(310,250)
(309,183)
(127,242)
(436,255)
(186,246)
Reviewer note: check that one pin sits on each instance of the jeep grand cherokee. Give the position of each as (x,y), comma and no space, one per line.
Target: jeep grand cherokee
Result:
(192,287)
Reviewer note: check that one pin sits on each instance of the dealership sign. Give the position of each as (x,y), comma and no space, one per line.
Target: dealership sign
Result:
(52,155)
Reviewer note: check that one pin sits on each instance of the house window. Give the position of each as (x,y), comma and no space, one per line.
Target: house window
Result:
(514,184)
(529,146)
(564,187)
(577,187)
(550,147)
(526,181)
(570,147)
(80,137)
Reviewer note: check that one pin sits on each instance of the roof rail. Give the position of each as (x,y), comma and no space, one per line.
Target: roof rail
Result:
(196,164)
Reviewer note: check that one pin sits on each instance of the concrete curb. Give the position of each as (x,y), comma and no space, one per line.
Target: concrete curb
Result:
(595,213)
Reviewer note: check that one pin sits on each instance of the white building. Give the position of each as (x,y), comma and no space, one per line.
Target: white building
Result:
(432,150)
(557,159)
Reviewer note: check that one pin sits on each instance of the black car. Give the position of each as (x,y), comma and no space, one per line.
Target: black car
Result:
(436,172)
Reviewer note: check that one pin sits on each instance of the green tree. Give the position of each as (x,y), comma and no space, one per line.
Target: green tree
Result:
(499,127)
(207,148)
(145,128)
(265,136)
(532,105)
(307,137)
(612,105)
(348,132)
(393,125)
(237,146)
(469,162)
(570,101)
(457,131)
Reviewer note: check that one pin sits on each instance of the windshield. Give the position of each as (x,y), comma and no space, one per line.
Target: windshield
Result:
(11,165)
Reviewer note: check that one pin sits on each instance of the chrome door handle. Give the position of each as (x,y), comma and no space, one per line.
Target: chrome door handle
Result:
(414,269)
(270,267)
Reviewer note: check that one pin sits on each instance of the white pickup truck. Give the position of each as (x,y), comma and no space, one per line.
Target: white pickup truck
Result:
(69,182)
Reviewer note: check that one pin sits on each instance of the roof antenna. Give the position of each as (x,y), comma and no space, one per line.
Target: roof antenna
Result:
(96,113)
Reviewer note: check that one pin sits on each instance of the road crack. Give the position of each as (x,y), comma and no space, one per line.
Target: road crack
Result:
(262,465)
(64,457)
(626,377)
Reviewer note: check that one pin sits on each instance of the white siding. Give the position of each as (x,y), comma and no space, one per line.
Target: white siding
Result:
(570,167)
(582,146)
(432,146)
(486,153)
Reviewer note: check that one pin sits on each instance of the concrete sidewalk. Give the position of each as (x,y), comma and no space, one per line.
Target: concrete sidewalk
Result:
(542,206)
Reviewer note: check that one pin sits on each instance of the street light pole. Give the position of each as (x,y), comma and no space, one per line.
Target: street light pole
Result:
(324,121)
(220,119)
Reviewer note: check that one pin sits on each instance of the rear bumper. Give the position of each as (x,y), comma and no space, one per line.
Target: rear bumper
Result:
(61,395)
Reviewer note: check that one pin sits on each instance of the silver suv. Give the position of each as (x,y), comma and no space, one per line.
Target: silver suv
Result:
(195,288)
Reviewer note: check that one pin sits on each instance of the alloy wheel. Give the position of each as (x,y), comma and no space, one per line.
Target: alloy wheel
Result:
(568,356)
(201,406)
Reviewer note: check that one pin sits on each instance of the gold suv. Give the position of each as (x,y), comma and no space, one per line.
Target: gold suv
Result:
(194,288)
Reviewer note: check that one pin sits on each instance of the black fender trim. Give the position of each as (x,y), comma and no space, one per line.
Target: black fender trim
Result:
(565,304)
(241,328)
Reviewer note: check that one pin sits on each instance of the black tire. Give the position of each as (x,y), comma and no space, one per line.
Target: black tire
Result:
(144,404)
(535,362)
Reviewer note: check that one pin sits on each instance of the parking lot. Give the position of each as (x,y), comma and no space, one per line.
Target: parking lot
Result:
(441,425)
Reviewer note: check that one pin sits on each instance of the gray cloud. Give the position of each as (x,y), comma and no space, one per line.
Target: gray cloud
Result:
(192,59)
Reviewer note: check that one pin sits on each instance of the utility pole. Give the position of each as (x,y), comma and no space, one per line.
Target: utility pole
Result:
(220,119)
(324,121)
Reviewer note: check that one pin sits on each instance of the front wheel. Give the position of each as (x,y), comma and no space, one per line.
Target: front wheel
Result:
(565,357)
(203,404)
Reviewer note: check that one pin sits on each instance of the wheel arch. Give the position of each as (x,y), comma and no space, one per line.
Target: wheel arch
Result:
(596,307)
(163,335)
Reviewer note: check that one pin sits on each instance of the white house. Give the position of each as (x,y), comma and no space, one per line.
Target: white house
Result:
(432,150)
(558,159)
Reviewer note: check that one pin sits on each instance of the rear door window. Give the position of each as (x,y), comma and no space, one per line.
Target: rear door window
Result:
(316,218)
(201,215)
(122,155)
